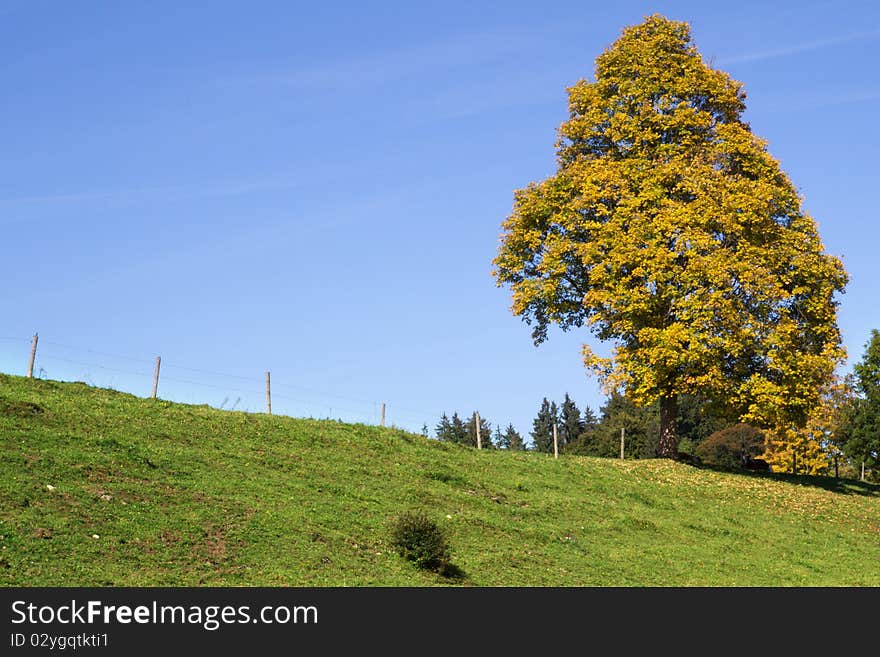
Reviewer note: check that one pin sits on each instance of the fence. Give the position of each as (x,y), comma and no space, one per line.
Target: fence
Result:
(166,379)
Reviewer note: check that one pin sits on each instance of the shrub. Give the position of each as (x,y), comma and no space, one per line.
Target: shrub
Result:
(418,538)
(734,447)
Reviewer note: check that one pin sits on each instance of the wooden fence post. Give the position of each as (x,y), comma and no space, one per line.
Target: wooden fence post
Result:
(862,478)
(477,424)
(30,369)
(156,377)
(555,443)
(268,394)
(382,421)
(622,433)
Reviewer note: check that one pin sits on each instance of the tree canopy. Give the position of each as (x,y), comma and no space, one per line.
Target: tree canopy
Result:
(862,423)
(670,231)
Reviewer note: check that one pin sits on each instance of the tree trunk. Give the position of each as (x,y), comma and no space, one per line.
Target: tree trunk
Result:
(668,447)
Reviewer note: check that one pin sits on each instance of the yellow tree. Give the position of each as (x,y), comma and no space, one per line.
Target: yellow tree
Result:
(799,450)
(670,231)
(814,447)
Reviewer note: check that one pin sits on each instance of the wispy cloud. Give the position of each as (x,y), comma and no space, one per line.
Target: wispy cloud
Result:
(163,192)
(402,62)
(433,80)
(798,48)
(805,104)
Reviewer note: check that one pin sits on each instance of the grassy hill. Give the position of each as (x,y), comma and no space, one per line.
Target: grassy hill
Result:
(151,493)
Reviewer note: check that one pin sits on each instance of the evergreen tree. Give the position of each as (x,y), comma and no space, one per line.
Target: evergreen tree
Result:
(452,430)
(571,425)
(589,420)
(498,439)
(641,424)
(542,427)
(458,430)
(485,432)
(512,440)
(584,443)
(443,430)
(862,444)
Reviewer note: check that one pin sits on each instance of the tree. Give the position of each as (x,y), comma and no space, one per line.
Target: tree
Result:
(813,447)
(589,421)
(585,443)
(542,426)
(511,439)
(670,231)
(841,404)
(443,430)
(642,425)
(698,419)
(458,430)
(485,432)
(799,450)
(452,431)
(734,447)
(571,425)
(862,424)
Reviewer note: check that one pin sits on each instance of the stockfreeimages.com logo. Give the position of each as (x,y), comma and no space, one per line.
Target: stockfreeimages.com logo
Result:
(210,617)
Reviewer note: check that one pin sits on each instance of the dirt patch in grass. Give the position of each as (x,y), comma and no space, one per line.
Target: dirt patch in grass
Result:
(21,409)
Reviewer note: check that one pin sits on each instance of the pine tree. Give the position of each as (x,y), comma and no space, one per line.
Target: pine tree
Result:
(458,430)
(585,442)
(511,439)
(862,424)
(589,421)
(641,424)
(485,432)
(571,425)
(443,430)
(542,431)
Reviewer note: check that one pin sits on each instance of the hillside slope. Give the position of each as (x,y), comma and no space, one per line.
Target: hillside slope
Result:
(151,493)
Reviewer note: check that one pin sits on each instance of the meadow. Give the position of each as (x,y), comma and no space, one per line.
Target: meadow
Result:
(102,488)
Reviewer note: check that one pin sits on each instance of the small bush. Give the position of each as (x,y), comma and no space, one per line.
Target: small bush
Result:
(732,448)
(418,538)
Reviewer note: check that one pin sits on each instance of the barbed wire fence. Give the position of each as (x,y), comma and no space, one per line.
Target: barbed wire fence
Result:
(52,360)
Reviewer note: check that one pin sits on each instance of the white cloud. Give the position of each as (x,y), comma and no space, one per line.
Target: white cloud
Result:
(795,49)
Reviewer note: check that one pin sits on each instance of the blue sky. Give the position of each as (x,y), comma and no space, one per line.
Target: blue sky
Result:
(316,189)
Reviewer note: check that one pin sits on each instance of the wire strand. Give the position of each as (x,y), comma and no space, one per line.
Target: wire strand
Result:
(392,410)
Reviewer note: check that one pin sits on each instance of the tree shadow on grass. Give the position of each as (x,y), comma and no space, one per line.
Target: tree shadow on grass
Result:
(833,484)
(836,485)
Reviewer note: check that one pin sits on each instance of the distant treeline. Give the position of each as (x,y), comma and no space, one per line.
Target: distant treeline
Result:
(582,431)
(842,439)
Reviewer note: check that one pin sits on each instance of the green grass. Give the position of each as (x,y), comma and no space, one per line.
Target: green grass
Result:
(183,495)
